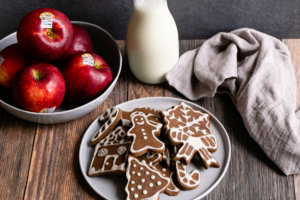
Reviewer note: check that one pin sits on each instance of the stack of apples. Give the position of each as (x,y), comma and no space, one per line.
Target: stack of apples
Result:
(46,38)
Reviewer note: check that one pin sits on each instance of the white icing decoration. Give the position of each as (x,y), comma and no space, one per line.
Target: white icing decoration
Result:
(139,174)
(135,196)
(195,141)
(102,152)
(142,129)
(121,150)
(164,169)
(132,189)
(152,177)
(145,138)
(186,176)
(117,136)
(114,166)
(144,133)
(134,165)
(146,168)
(154,127)
(158,182)
(147,173)
(141,168)
(133,172)
(107,163)
(109,119)
(132,182)
(139,187)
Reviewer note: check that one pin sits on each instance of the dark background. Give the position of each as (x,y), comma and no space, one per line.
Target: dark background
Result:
(194,18)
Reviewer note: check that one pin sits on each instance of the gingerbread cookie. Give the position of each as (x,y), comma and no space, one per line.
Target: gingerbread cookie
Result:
(187,181)
(152,114)
(109,120)
(144,134)
(117,136)
(109,159)
(190,128)
(151,158)
(166,157)
(144,182)
(172,189)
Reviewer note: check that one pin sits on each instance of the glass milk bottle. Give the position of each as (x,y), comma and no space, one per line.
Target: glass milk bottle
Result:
(152,41)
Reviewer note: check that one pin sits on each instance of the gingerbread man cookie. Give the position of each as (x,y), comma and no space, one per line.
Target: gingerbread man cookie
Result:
(187,181)
(152,114)
(144,182)
(190,128)
(109,120)
(144,133)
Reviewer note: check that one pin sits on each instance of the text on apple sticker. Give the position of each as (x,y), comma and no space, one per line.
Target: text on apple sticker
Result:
(46,19)
(88,59)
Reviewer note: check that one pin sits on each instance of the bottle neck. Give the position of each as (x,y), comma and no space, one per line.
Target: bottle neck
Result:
(150,5)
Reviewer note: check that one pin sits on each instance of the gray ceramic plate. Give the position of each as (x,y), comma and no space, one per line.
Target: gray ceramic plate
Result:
(105,46)
(113,186)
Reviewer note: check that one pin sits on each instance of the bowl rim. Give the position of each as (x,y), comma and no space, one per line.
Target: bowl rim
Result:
(107,90)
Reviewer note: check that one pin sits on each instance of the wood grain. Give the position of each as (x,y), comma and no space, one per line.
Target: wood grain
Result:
(294,48)
(250,172)
(16,139)
(41,161)
(54,171)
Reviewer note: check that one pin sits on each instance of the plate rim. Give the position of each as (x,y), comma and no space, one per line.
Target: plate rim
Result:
(224,134)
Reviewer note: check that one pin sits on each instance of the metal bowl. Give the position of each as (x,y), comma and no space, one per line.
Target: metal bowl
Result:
(105,46)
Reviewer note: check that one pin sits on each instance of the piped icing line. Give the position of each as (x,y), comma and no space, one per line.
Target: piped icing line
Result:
(144,141)
(104,151)
(152,114)
(147,186)
(109,118)
(190,128)
(187,180)
(151,158)
(172,189)
(118,135)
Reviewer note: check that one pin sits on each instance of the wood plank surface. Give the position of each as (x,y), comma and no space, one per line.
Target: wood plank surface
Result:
(294,48)
(16,140)
(41,161)
(54,171)
(251,175)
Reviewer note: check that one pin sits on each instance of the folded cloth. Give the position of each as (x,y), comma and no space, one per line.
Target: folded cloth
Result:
(256,70)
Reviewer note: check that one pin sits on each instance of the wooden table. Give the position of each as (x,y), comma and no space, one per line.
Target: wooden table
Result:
(41,161)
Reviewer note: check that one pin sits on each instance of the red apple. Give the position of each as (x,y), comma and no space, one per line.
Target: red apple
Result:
(11,62)
(45,34)
(39,88)
(87,75)
(82,42)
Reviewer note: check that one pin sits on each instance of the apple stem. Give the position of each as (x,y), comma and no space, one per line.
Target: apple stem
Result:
(37,75)
(49,32)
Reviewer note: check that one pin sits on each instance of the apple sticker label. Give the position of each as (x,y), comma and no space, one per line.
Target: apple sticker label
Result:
(88,59)
(46,19)
(1,60)
(48,110)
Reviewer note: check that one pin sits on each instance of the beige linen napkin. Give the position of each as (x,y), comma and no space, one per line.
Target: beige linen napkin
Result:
(256,70)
